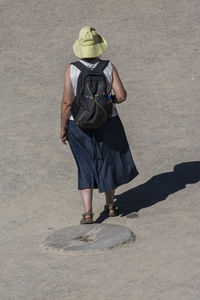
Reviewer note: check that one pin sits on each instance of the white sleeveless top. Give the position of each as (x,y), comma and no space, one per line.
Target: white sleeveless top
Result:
(75,72)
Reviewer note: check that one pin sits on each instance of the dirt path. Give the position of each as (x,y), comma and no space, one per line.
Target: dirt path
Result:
(155,46)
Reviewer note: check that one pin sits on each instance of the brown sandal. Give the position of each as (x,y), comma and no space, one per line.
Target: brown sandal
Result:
(110,207)
(85,220)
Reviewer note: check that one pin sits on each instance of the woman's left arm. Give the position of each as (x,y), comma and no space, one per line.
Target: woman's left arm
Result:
(68,96)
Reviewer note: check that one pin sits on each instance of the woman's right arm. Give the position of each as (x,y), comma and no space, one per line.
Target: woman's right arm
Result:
(117,86)
(68,96)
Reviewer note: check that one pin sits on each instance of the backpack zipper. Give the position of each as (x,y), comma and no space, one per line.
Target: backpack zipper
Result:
(80,117)
(94,99)
(83,113)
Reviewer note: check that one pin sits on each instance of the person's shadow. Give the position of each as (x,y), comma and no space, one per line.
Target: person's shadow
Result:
(158,188)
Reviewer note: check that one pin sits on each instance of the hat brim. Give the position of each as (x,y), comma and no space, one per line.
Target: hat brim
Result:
(90,51)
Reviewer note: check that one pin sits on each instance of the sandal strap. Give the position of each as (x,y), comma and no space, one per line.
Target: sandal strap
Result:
(110,206)
(90,213)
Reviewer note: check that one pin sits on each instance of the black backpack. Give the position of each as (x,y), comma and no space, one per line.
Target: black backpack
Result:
(92,106)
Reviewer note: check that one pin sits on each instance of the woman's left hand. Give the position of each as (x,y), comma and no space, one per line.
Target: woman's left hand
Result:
(63,136)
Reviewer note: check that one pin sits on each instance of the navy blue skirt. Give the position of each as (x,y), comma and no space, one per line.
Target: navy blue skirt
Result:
(102,155)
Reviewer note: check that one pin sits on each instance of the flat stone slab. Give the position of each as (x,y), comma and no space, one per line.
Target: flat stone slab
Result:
(88,237)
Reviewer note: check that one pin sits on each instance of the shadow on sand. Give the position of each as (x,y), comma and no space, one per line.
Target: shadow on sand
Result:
(158,188)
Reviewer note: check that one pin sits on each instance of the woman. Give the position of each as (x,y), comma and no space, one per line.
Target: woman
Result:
(102,155)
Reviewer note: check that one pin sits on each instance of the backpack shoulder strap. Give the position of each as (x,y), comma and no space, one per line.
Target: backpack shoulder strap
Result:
(101,65)
(99,68)
(79,65)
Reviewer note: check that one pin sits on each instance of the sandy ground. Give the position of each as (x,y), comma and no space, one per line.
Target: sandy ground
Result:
(156,47)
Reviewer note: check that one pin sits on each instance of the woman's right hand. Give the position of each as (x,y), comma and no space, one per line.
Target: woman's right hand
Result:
(63,136)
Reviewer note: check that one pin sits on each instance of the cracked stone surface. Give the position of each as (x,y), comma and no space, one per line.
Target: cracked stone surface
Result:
(88,237)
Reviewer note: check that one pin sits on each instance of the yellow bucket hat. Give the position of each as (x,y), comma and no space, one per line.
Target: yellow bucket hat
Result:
(89,44)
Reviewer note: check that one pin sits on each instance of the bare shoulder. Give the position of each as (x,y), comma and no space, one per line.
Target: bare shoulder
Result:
(67,77)
(114,71)
(67,71)
(113,67)
(117,86)
(68,89)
